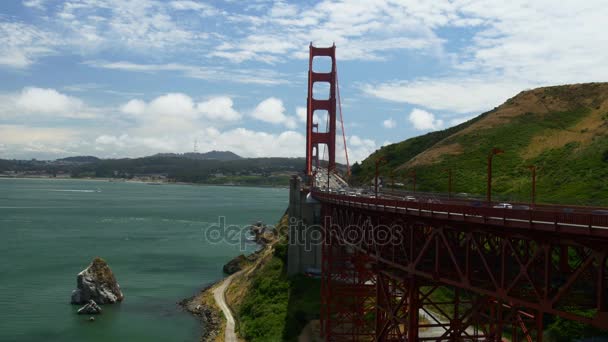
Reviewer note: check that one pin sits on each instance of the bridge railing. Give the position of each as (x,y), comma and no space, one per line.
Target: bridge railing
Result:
(540,217)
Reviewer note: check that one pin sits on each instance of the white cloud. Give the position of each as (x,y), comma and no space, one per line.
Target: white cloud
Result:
(362,30)
(189,5)
(272,111)
(24,135)
(23,44)
(358,149)
(139,25)
(33,101)
(40,100)
(389,123)
(466,95)
(423,120)
(301,114)
(38,4)
(179,112)
(246,76)
(515,45)
(219,108)
(245,142)
(134,107)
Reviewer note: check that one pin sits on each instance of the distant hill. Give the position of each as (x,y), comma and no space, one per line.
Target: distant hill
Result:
(79,159)
(212,155)
(563,130)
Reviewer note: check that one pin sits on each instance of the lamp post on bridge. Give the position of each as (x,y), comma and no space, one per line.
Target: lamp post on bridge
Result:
(491,155)
(378,161)
(413,175)
(449,171)
(328,178)
(533,169)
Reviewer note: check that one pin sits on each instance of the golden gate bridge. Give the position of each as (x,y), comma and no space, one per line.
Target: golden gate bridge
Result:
(397,268)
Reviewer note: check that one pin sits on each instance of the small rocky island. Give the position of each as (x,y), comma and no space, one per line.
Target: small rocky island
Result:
(95,285)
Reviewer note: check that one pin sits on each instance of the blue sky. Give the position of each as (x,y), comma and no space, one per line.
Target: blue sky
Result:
(128,78)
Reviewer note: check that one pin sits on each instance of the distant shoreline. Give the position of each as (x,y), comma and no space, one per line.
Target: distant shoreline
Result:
(123,180)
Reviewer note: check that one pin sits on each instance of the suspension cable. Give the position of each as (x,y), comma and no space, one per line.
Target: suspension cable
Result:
(342,123)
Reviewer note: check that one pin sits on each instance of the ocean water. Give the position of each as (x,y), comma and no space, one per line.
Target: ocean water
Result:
(152,236)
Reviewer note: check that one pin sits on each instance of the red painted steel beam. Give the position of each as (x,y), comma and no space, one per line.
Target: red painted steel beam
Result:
(314,138)
(516,266)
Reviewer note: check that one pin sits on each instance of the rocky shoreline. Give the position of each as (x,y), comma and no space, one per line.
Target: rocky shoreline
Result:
(209,317)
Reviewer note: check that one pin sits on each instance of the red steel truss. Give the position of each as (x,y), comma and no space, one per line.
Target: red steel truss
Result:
(401,271)
(314,138)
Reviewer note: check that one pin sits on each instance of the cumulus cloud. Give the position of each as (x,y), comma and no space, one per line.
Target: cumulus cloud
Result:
(33,101)
(358,148)
(301,114)
(134,107)
(219,108)
(423,120)
(245,142)
(389,123)
(167,123)
(177,111)
(272,111)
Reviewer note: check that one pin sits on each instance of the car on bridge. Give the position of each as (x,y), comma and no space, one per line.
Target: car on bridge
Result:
(503,206)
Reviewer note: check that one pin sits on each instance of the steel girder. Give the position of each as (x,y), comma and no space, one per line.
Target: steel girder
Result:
(521,275)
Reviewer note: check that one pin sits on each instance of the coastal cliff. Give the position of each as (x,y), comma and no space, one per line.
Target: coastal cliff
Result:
(267,304)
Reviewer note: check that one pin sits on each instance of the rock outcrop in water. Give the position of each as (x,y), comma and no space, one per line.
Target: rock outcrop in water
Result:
(235,264)
(91,308)
(262,234)
(97,283)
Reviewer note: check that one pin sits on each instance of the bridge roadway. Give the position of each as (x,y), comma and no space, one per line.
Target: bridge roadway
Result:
(554,218)
(547,259)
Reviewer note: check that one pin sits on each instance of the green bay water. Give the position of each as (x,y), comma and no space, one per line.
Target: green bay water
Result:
(151,235)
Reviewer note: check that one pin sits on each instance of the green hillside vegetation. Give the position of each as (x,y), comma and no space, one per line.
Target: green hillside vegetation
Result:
(561,130)
(269,304)
(241,171)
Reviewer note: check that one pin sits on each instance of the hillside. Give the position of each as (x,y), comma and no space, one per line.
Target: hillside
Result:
(563,130)
(79,159)
(211,155)
(241,171)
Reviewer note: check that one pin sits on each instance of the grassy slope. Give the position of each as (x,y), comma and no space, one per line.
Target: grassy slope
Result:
(572,170)
(269,305)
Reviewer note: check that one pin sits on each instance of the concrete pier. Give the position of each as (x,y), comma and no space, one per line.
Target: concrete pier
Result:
(305,233)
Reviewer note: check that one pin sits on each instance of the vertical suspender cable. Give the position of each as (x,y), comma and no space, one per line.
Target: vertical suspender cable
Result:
(342,123)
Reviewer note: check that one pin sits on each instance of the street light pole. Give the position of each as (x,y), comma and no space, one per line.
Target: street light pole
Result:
(328,177)
(533,169)
(413,175)
(449,171)
(492,153)
(381,159)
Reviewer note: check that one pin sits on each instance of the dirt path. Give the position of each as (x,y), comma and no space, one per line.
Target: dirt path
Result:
(219,294)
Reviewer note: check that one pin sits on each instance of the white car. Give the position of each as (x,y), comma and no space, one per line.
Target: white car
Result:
(504,206)
(410,198)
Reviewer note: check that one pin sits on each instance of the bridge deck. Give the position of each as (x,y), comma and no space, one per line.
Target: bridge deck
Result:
(579,221)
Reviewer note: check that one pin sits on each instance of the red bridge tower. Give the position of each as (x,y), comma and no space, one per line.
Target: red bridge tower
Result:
(314,138)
